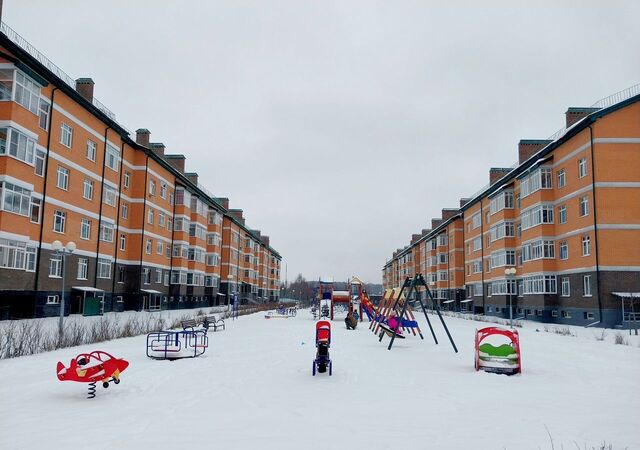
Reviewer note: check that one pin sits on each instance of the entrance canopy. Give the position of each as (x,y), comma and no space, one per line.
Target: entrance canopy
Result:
(150,291)
(87,289)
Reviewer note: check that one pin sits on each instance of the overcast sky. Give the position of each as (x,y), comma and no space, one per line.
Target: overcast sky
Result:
(340,128)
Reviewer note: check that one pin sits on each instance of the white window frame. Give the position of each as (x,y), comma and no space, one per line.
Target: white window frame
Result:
(92,150)
(586,286)
(62,178)
(83,268)
(59,217)
(582,167)
(87,189)
(85,229)
(66,135)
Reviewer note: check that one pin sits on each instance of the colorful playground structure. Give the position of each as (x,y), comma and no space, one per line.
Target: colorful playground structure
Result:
(190,342)
(323,343)
(505,359)
(97,366)
(328,300)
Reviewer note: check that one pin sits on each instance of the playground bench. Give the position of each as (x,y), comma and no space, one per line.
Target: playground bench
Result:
(213,322)
(189,323)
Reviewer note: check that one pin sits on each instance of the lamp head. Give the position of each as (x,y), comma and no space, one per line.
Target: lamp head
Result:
(71,246)
(56,245)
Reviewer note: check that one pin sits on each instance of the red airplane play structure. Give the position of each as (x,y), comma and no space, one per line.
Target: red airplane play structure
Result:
(91,368)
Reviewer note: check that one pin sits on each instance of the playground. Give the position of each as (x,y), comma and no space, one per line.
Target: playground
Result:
(253,388)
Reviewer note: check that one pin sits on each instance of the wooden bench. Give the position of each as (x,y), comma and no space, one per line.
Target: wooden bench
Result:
(213,322)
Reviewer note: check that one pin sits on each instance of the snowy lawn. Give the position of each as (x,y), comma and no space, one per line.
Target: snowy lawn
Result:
(253,389)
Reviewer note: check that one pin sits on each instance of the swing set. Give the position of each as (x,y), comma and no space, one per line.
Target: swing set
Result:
(397,304)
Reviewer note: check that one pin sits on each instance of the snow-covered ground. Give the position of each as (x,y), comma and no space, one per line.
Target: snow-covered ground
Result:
(253,389)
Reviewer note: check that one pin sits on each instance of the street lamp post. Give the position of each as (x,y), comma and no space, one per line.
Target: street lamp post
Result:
(510,275)
(62,251)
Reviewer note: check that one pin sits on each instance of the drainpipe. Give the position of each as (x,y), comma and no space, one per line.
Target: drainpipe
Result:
(116,240)
(482,255)
(144,218)
(595,224)
(104,166)
(44,193)
(173,233)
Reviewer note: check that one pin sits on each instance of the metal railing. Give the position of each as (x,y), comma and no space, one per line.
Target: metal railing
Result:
(46,62)
(617,97)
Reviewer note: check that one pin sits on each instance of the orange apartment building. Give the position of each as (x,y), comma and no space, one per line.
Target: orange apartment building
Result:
(556,238)
(148,235)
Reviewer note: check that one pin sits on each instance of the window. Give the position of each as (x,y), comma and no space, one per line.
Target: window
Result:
(43,114)
(586,285)
(503,287)
(109,196)
(582,167)
(152,187)
(588,315)
(55,266)
(150,216)
(146,275)
(15,199)
(83,268)
(537,215)
(17,255)
(566,287)
(53,300)
(149,246)
(477,243)
(158,276)
(27,92)
(91,150)
(111,157)
(163,189)
(62,180)
(476,221)
(104,268)
(39,163)
(536,180)
(540,284)
(538,250)
(584,206)
(504,200)
(20,146)
(121,274)
(562,214)
(554,313)
(564,250)
(125,210)
(501,230)
(66,135)
(561,178)
(503,258)
(586,245)
(127,179)
(35,209)
(6,84)
(123,242)
(85,229)
(87,190)
(159,248)
(161,221)
(59,218)
(106,232)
